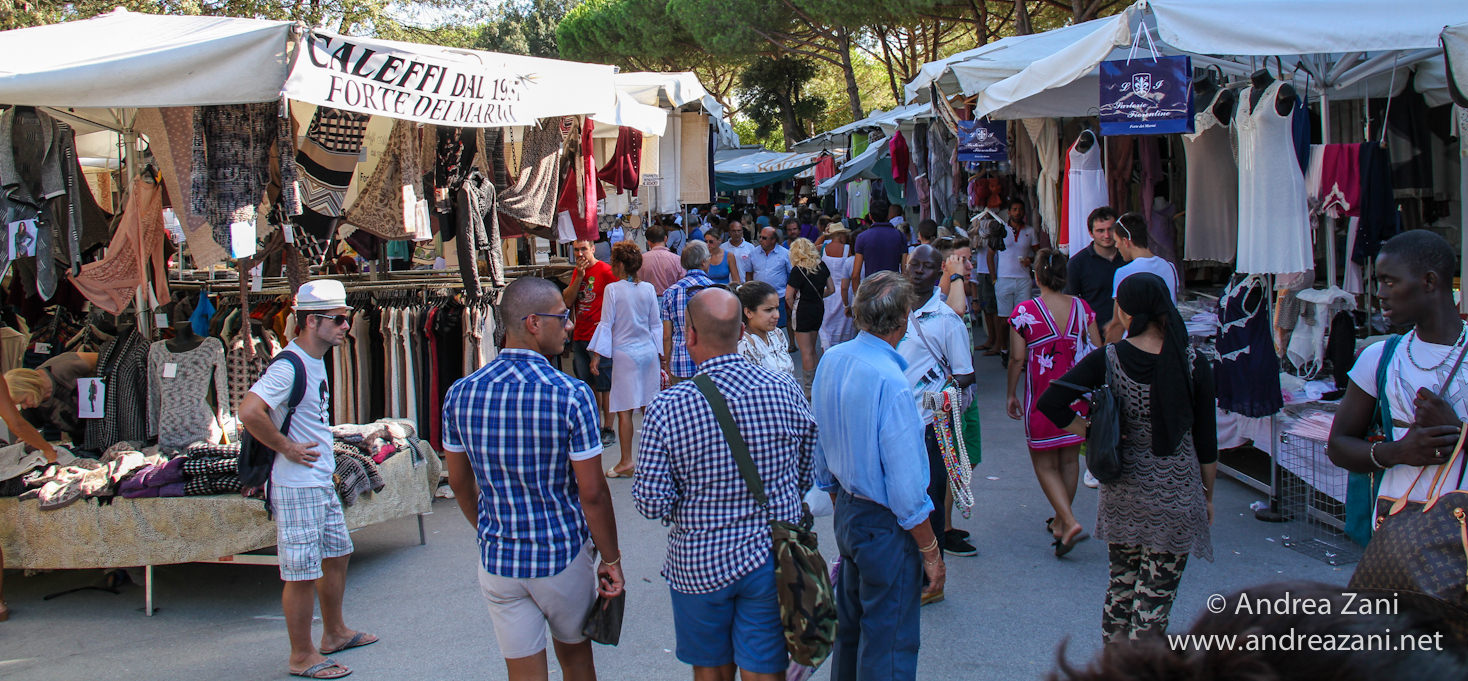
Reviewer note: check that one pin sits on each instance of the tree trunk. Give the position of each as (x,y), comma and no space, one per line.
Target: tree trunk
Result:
(853,93)
(1022,19)
(793,133)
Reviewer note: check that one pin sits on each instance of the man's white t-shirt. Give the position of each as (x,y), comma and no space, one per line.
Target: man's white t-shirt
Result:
(1156,265)
(311,424)
(1016,246)
(945,333)
(1402,381)
(741,255)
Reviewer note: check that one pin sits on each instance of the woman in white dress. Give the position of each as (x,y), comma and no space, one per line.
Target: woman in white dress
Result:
(628,332)
(837,326)
(763,342)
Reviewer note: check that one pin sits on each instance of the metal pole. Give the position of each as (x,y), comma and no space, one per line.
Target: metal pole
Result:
(1463,217)
(1325,220)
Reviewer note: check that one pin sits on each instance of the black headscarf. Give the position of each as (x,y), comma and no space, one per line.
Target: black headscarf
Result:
(1146,298)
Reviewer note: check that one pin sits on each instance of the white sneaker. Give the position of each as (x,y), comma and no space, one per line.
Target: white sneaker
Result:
(1091,480)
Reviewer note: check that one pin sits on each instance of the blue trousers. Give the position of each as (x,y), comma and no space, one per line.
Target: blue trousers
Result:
(878,593)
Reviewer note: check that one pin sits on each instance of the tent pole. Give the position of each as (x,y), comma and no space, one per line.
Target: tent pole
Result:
(1325,220)
(1463,216)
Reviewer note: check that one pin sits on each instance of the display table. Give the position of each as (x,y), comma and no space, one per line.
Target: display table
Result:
(165,531)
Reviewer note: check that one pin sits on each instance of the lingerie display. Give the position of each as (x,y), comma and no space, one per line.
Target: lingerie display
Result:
(1247,373)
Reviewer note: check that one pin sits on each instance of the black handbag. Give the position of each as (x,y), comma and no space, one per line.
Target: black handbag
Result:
(1103,440)
(604,621)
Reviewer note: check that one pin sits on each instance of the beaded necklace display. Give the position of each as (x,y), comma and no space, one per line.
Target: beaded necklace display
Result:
(955,451)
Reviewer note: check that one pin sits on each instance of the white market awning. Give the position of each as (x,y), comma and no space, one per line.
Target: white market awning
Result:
(1344,48)
(1455,54)
(887,121)
(129,60)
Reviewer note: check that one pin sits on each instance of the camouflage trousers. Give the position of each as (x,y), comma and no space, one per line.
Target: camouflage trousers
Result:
(1138,600)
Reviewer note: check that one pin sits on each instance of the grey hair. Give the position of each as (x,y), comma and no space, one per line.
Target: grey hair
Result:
(882,303)
(695,255)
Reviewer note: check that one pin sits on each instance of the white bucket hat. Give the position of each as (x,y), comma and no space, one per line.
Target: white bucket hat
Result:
(321,294)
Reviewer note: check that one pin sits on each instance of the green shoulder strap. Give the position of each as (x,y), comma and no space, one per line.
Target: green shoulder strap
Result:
(737,447)
(1383,407)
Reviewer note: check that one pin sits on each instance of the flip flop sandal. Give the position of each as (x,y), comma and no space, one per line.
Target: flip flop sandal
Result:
(317,670)
(614,473)
(1063,547)
(358,640)
(1048,522)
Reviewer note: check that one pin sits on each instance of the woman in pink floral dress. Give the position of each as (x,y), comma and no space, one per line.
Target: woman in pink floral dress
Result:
(1049,334)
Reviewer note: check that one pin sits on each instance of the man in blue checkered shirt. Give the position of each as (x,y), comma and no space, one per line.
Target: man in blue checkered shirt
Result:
(523,452)
(719,565)
(674,306)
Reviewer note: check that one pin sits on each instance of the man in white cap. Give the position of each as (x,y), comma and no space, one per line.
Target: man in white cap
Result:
(311,532)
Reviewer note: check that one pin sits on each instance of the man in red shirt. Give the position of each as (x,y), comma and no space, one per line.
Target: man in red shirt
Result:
(584,298)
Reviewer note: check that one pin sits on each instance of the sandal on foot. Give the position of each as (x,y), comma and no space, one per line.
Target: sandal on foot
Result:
(614,473)
(1076,536)
(358,640)
(322,670)
(1048,523)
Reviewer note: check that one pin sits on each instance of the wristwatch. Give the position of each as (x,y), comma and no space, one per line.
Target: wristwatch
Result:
(955,277)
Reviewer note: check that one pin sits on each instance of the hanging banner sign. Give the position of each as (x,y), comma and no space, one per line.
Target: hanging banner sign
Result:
(378,78)
(983,141)
(1147,96)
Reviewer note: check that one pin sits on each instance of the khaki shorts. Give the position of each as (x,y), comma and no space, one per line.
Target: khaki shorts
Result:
(521,608)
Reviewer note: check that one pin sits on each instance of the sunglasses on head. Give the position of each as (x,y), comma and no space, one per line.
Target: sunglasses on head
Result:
(339,319)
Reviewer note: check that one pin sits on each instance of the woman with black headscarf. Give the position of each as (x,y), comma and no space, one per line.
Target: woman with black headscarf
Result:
(1157,513)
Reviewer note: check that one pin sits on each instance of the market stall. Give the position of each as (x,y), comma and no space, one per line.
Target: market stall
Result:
(248,156)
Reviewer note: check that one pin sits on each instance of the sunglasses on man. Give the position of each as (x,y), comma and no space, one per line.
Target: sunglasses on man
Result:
(338,319)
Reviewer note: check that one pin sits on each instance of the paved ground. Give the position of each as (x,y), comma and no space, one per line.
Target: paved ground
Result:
(1007,611)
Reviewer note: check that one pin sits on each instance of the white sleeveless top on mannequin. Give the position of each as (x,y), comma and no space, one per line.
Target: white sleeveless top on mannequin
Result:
(1085,191)
(1274,222)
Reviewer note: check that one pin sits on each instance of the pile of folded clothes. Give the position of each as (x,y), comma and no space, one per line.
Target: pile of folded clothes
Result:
(379,440)
(58,486)
(211,469)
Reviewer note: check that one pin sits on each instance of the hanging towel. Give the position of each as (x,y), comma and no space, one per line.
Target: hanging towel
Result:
(326,159)
(697,185)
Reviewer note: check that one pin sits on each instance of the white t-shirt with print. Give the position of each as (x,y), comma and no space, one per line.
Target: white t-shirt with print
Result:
(945,334)
(1402,381)
(741,255)
(311,424)
(1155,264)
(1016,246)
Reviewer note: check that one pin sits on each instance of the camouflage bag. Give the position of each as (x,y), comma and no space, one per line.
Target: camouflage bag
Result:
(807,601)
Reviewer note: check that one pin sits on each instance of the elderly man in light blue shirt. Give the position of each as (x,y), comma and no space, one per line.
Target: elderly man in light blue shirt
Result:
(771,264)
(871,458)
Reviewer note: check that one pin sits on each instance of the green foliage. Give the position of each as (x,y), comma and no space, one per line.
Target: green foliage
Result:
(773,93)
(526,27)
(748,132)
(736,28)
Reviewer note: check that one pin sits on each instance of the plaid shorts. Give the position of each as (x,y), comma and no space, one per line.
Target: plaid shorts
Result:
(309,526)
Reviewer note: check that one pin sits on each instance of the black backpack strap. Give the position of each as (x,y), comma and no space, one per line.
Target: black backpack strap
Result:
(737,446)
(298,388)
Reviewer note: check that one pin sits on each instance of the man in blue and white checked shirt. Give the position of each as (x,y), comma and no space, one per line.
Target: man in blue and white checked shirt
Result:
(523,451)
(719,565)
(674,306)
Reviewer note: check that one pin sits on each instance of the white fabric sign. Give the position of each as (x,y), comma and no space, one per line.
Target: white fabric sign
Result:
(460,88)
